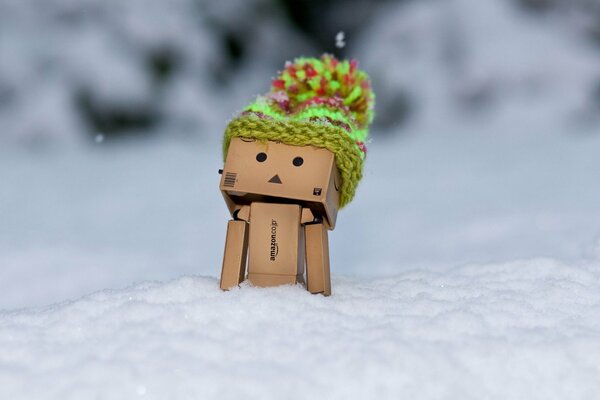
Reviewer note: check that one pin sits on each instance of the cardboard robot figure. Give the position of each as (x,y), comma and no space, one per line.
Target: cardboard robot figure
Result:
(292,159)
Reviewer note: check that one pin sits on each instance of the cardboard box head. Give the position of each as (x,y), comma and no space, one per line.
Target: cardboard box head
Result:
(276,172)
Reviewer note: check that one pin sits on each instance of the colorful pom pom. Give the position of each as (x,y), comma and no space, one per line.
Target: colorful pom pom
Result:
(309,78)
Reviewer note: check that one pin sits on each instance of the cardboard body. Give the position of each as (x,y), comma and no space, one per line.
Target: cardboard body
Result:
(265,280)
(276,244)
(314,184)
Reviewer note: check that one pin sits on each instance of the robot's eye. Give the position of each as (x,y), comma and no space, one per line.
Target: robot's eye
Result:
(261,157)
(298,161)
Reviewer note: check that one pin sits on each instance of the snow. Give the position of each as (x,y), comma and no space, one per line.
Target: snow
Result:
(440,63)
(53,54)
(340,40)
(524,329)
(458,60)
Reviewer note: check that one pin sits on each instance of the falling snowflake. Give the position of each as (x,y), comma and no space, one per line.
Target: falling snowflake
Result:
(340,40)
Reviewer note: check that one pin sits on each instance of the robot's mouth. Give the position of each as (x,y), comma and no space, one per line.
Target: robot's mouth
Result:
(275,179)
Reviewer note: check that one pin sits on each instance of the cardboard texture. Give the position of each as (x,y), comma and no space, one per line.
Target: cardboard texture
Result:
(265,280)
(276,242)
(234,259)
(317,259)
(313,184)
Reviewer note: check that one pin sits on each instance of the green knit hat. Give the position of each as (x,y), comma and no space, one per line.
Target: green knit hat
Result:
(320,102)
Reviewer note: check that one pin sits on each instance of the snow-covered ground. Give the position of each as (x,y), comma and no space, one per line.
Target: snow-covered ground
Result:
(517,330)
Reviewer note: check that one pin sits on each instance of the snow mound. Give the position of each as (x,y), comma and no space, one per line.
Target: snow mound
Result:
(523,329)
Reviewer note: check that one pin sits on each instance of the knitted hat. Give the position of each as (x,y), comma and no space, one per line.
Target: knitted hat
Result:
(322,102)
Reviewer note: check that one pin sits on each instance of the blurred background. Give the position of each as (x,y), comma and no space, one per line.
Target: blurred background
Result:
(485,146)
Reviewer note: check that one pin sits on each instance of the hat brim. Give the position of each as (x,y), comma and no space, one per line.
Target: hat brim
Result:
(348,157)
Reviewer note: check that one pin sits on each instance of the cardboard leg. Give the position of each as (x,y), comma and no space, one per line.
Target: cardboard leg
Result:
(317,259)
(234,259)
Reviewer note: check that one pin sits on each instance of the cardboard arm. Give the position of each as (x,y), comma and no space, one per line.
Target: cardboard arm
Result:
(318,279)
(236,250)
